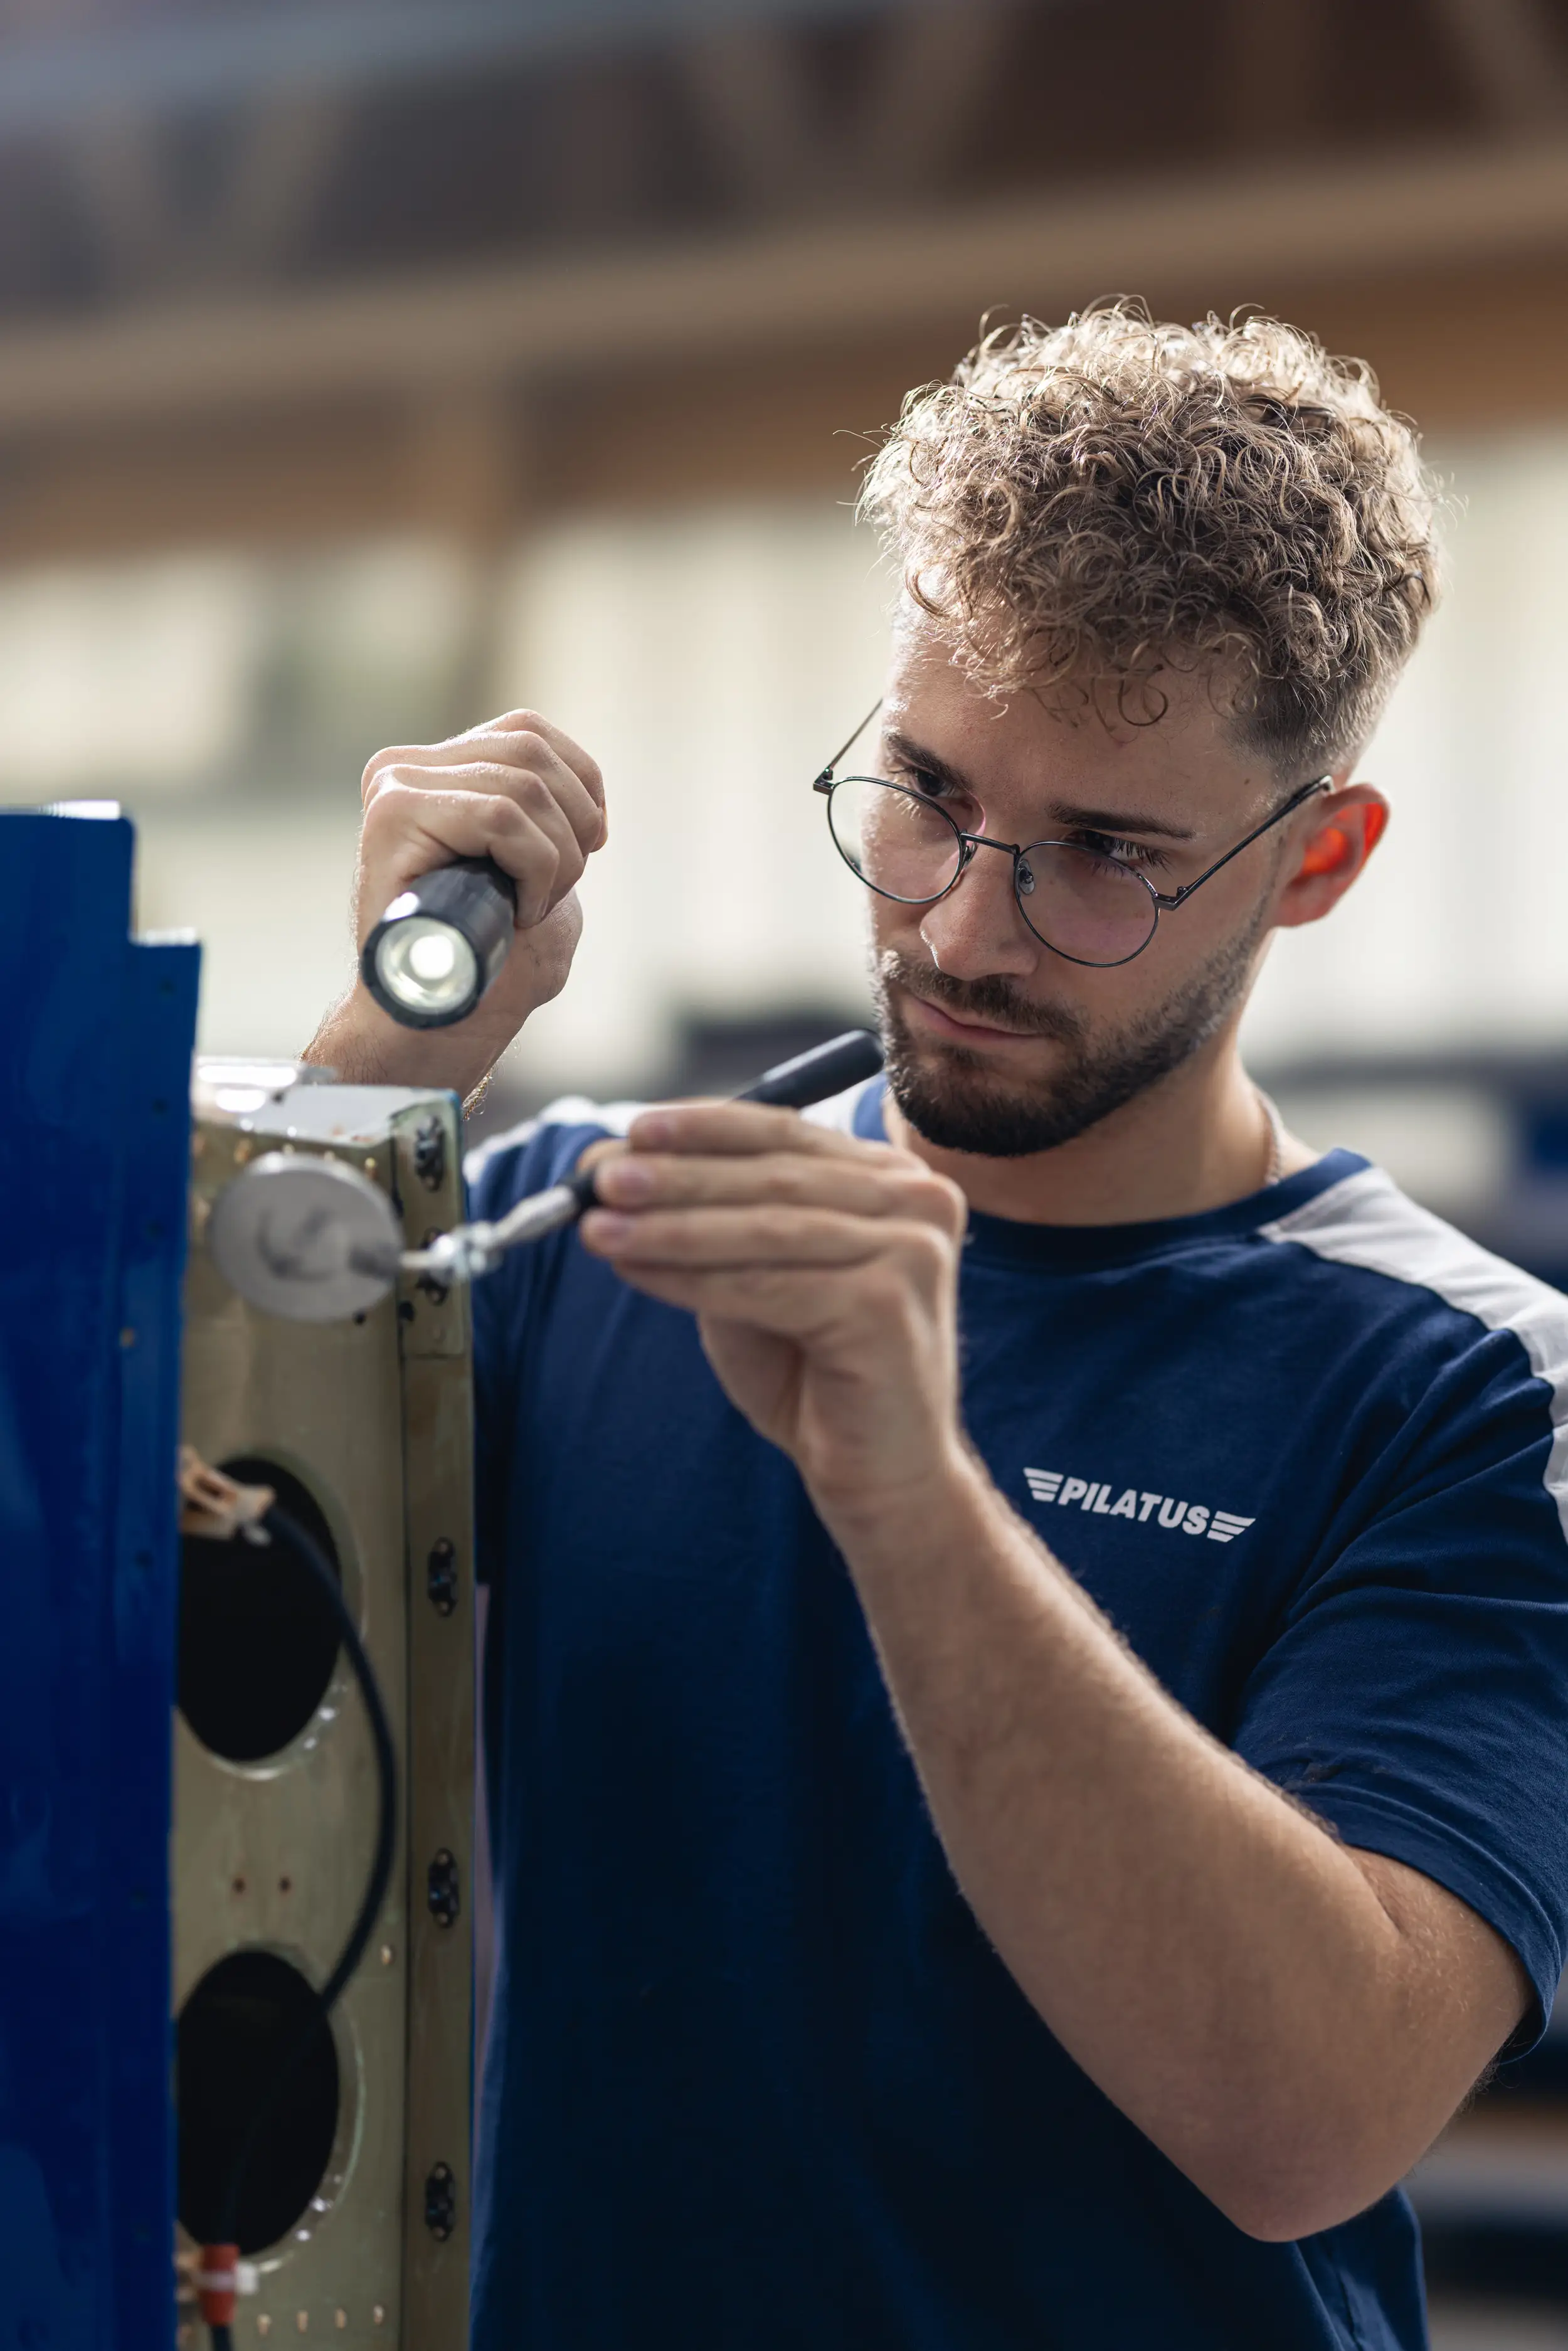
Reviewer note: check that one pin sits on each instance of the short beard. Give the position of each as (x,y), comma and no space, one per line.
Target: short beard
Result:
(954,1098)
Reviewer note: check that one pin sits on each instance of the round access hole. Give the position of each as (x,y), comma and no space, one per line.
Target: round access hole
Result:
(250,2031)
(257,1639)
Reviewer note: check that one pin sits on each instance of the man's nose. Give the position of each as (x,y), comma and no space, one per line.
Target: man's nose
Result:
(976,929)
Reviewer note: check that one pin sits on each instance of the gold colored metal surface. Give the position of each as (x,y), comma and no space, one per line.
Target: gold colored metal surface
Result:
(373,1416)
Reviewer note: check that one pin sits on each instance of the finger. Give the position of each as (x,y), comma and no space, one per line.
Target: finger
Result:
(414,831)
(537,786)
(722,1128)
(597,1154)
(514,723)
(755,1236)
(790,1301)
(854,1185)
(514,739)
(546,790)
(552,797)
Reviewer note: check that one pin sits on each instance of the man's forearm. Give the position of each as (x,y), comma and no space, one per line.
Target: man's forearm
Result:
(368,1048)
(1210,1955)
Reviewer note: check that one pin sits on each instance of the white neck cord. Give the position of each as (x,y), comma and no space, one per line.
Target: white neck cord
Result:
(1276,1167)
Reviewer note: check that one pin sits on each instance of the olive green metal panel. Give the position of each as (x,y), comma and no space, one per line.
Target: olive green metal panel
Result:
(374,1418)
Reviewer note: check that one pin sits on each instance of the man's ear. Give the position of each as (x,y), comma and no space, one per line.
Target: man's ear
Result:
(1346,827)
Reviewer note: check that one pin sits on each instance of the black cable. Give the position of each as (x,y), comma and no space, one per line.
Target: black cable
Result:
(286,1530)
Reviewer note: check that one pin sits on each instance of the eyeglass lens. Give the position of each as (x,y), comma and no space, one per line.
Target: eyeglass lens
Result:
(1082,904)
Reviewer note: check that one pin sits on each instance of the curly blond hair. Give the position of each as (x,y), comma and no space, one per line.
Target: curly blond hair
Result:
(1089,503)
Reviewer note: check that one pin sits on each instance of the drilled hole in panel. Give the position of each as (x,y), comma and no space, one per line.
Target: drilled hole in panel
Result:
(238,2033)
(257,1639)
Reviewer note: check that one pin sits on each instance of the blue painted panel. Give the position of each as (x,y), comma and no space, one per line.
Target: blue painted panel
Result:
(95,1045)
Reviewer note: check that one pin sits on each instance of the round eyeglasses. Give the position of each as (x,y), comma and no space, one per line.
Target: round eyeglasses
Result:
(1080,901)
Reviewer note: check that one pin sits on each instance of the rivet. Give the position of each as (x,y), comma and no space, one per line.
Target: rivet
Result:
(339,2318)
(388,1955)
(378,2315)
(303,2321)
(370,1167)
(264,2324)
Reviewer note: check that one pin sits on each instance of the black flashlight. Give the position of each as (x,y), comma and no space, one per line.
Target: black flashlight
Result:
(441,943)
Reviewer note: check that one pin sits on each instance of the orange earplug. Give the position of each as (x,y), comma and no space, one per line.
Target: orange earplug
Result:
(1332,846)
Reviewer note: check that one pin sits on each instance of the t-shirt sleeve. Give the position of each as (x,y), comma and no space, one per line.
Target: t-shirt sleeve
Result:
(1417,1695)
(506,1302)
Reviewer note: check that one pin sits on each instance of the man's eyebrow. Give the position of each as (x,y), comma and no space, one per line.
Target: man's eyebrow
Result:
(1065,813)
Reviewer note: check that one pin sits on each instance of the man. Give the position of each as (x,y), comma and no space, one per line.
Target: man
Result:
(1028,1676)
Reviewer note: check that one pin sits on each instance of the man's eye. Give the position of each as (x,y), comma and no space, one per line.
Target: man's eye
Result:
(1125,853)
(928,787)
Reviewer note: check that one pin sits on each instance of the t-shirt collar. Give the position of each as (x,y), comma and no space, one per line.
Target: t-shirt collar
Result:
(1081,1248)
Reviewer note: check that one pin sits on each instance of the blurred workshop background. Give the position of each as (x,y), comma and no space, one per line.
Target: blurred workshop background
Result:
(368,366)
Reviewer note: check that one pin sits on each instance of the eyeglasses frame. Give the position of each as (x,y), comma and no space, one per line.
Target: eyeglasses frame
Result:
(1164,902)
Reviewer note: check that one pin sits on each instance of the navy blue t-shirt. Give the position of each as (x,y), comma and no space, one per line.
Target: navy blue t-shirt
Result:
(756,2080)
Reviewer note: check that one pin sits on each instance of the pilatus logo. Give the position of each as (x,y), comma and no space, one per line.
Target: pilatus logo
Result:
(1192,1517)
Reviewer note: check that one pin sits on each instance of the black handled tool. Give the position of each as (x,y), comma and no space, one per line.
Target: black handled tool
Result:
(809,1078)
(827,1069)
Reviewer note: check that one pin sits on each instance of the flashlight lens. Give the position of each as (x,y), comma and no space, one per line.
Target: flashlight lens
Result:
(432,957)
(427,966)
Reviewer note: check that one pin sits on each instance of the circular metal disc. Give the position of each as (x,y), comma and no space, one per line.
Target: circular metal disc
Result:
(304,1238)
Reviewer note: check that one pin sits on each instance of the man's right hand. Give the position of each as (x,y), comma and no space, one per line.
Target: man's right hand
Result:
(517,790)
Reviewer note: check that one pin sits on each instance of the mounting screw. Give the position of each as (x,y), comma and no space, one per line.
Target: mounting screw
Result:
(441,1888)
(434,1289)
(441,2201)
(441,1576)
(430,1152)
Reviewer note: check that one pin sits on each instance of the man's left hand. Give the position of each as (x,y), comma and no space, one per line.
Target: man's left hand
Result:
(823,1274)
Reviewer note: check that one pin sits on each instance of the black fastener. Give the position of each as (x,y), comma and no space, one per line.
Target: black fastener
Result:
(441,1889)
(440,1577)
(433,1288)
(430,1152)
(441,2201)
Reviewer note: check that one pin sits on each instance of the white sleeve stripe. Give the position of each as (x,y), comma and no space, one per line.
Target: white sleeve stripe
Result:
(1365,1220)
(839,1110)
